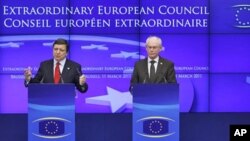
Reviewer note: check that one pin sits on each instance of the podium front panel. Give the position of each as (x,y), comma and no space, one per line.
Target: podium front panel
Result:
(155,112)
(51,112)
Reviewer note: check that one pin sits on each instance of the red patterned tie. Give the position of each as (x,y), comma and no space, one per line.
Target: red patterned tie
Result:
(57,73)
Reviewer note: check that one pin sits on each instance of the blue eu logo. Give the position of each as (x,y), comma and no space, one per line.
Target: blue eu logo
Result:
(242,13)
(51,127)
(156,127)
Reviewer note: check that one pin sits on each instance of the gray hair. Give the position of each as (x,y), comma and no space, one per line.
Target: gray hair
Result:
(158,39)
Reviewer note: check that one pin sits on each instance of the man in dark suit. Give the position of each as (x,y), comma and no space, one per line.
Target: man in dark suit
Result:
(153,69)
(59,70)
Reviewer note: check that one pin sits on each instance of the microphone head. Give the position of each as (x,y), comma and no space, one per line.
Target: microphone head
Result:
(78,71)
(145,77)
(61,78)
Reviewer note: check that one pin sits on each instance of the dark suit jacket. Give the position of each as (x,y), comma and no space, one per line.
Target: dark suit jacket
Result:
(165,72)
(70,74)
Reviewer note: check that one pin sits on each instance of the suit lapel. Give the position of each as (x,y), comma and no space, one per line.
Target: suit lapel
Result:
(146,70)
(51,71)
(159,70)
(66,68)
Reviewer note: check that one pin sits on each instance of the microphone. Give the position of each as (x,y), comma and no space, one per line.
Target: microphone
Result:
(145,78)
(83,87)
(42,79)
(78,71)
(61,77)
(165,80)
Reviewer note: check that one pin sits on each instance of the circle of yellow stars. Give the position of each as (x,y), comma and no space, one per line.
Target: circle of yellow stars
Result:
(51,123)
(237,16)
(155,123)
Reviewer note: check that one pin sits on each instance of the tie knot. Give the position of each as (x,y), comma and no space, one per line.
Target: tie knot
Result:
(58,64)
(152,62)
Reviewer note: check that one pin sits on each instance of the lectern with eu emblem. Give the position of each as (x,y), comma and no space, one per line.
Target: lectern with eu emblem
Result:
(155,112)
(51,112)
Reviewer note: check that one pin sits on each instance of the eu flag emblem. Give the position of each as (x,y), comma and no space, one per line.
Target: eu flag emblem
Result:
(155,127)
(242,15)
(51,127)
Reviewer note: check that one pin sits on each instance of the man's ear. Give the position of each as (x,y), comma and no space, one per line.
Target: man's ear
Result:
(161,48)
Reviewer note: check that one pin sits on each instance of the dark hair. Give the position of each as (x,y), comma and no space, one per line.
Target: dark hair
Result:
(61,41)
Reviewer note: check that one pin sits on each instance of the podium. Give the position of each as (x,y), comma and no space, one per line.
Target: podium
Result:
(155,112)
(51,112)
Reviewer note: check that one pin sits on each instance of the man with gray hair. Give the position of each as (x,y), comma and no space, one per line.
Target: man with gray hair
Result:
(154,68)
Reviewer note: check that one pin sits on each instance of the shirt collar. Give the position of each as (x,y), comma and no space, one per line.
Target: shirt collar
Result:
(156,59)
(62,62)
